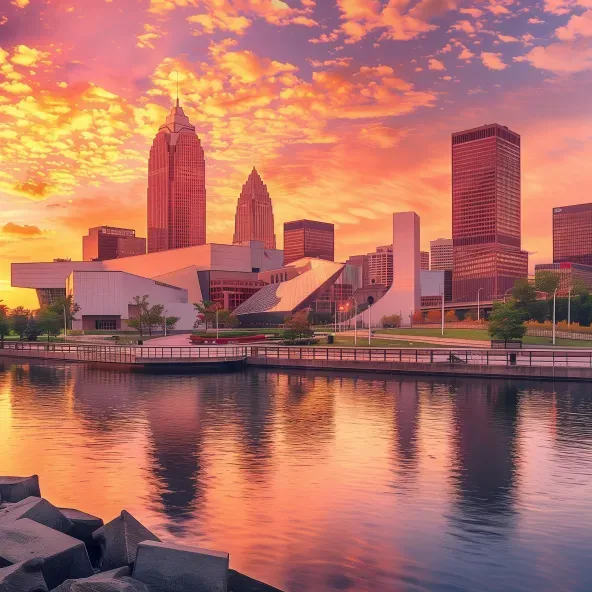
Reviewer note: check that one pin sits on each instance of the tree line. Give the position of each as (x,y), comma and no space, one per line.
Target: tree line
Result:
(28,324)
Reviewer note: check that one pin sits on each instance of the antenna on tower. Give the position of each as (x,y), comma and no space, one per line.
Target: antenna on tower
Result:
(177,87)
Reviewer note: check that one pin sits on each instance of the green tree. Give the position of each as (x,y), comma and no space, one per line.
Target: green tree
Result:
(227,320)
(65,304)
(506,321)
(537,310)
(154,318)
(523,292)
(139,319)
(579,288)
(207,311)
(297,327)
(48,322)
(546,281)
(4,324)
(32,330)
(19,318)
(171,323)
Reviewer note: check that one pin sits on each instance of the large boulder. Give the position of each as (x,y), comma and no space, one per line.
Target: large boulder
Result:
(15,489)
(165,567)
(83,527)
(115,580)
(119,540)
(39,510)
(25,576)
(237,582)
(83,524)
(63,556)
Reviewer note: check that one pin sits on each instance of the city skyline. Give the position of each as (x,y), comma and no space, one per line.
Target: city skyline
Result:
(76,125)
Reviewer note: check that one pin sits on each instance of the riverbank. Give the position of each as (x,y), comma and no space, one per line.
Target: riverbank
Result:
(45,548)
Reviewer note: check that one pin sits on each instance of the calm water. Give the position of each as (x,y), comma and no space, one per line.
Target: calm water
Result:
(320,482)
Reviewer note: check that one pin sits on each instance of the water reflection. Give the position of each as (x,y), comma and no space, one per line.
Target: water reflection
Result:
(314,481)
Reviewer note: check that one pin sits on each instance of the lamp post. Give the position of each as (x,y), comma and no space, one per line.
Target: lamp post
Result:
(506,292)
(479,304)
(355,321)
(217,325)
(442,313)
(65,324)
(369,324)
(554,299)
(569,308)
(165,313)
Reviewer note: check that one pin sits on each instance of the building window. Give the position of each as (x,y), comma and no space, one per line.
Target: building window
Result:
(106,325)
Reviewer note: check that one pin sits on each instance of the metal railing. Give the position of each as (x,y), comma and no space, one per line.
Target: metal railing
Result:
(479,357)
(449,356)
(121,354)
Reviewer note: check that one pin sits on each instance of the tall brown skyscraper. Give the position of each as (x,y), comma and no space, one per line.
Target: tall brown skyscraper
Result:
(572,234)
(254,213)
(308,238)
(176,186)
(486,213)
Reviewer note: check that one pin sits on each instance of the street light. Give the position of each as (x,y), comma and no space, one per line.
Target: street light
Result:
(554,299)
(441,287)
(165,313)
(505,293)
(355,321)
(65,324)
(479,304)
(569,307)
(217,325)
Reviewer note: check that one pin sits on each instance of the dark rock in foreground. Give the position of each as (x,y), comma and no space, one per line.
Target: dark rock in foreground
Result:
(23,577)
(238,582)
(115,580)
(63,556)
(83,524)
(15,489)
(119,540)
(39,510)
(165,567)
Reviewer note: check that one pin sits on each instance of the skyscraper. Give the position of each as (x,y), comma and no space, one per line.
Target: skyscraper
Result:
(486,213)
(308,238)
(254,213)
(106,242)
(441,254)
(380,266)
(572,234)
(176,186)
(424,260)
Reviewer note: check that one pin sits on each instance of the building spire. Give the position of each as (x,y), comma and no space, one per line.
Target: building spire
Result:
(177,88)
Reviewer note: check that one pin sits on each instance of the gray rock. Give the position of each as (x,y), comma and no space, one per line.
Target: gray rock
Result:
(115,580)
(83,524)
(237,582)
(25,576)
(63,556)
(39,510)
(165,567)
(119,540)
(15,489)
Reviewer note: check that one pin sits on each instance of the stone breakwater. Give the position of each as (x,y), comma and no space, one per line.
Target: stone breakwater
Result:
(44,548)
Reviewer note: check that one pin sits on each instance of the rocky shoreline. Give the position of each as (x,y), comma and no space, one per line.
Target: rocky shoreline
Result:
(44,548)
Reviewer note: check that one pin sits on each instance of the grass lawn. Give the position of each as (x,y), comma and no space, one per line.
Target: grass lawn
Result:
(477,334)
(481,335)
(346,341)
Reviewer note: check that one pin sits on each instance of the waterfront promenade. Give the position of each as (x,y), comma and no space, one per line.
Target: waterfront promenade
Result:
(572,364)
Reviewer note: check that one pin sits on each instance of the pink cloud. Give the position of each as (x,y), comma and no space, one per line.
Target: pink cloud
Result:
(493,61)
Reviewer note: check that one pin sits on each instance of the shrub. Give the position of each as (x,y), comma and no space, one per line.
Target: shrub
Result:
(417,318)
(434,316)
(451,317)
(391,321)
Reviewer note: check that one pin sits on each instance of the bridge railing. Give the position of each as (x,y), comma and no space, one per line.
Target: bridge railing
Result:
(121,354)
(484,357)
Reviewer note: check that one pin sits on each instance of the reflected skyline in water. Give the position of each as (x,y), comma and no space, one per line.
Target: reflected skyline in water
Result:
(318,481)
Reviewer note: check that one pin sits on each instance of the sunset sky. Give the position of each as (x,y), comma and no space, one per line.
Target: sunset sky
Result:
(345,106)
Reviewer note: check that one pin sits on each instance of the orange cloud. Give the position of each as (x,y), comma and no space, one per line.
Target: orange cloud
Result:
(24,230)
(493,61)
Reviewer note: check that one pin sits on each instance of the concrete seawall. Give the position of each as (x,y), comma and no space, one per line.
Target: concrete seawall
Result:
(477,370)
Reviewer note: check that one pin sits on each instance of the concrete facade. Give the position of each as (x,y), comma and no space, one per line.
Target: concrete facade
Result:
(403,298)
